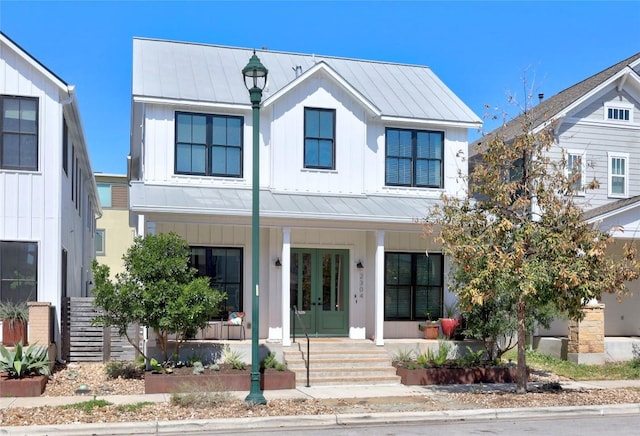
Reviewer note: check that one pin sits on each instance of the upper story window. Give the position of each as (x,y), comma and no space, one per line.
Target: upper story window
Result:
(575,170)
(208,145)
(319,138)
(618,112)
(65,147)
(618,175)
(414,158)
(104,194)
(19,127)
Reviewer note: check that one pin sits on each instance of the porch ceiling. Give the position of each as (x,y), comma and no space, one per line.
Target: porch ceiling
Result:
(212,201)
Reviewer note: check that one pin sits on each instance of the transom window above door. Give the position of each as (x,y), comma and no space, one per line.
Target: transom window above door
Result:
(208,145)
(319,138)
(414,158)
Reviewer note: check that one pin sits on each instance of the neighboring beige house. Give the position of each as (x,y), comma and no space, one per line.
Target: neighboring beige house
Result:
(597,126)
(113,233)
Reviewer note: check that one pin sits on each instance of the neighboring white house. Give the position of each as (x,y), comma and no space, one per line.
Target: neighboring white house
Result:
(597,126)
(48,198)
(352,154)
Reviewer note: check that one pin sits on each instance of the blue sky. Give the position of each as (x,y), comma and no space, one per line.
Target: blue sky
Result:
(481,50)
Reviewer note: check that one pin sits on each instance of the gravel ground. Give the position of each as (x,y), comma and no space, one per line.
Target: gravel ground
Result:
(67,379)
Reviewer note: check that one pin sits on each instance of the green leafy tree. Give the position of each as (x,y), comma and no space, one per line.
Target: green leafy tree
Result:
(519,244)
(157,289)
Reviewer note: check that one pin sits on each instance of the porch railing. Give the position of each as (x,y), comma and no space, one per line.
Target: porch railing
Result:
(296,314)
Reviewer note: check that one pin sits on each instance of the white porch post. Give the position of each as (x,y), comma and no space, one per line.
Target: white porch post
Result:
(286,284)
(379,288)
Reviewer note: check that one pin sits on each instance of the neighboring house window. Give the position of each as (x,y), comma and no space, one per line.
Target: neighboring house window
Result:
(224,268)
(618,111)
(19,127)
(413,286)
(575,169)
(618,174)
(208,145)
(99,242)
(18,271)
(414,158)
(319,138)
(104,194)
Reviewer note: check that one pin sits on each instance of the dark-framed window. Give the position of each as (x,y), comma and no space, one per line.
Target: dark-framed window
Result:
(413,286)
(65,147)
(319,138)
(414,158)
(19,128)
(208,145)
(223,266)
(18,271)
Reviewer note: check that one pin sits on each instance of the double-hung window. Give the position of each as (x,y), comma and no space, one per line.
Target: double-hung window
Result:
(618,174)
(208,145)
(223,266)
(19,129)
(413,286)
(414,158)
(575,170)
(319,138)
(18,271)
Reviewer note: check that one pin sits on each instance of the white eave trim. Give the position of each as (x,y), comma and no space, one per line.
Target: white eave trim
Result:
(626,71)
(195,103)
(463,124)
(322,66)
(34,63)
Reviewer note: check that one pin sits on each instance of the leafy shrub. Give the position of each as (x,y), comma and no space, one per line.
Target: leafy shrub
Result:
(233,358)
(403,357)
(125,370)
(21,363)
(438,358)
(271,362)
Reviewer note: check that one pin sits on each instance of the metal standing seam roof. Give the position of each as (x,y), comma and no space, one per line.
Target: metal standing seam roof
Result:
(210,73)
(549,108)
(207,200)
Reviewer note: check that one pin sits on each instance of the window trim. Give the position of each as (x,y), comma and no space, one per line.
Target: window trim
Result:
(618,105)
(37,134)
(583,176)
(208,145)
(305,137)
(413,317)
(414,158)
(610,175)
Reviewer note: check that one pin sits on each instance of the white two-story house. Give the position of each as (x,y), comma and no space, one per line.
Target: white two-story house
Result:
(596,126)
(352,155)
(48,197)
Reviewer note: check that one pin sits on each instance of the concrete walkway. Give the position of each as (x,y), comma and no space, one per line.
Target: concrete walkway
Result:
(317,392)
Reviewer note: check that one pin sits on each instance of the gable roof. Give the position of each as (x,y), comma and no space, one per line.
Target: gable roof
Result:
(555,106)
(196,73)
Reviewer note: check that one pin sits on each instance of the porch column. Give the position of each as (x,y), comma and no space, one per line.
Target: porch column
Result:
(286,286)
(379,288)
(586,337)
(140,228)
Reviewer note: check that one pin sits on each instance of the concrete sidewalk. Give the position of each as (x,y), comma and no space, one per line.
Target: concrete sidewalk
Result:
(315,392)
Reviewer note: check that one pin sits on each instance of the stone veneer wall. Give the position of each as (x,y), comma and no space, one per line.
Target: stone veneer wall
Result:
(586,337)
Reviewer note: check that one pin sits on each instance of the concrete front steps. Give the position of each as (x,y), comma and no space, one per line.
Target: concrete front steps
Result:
(340,362)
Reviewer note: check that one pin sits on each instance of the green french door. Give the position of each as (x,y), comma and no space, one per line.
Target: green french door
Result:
(320,291)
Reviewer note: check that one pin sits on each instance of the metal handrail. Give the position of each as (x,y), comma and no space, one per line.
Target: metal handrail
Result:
(304,330)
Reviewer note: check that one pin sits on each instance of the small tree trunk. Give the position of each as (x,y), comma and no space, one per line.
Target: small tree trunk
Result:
(521,387)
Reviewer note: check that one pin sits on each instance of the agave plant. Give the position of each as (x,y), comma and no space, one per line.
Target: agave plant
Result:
(22,362)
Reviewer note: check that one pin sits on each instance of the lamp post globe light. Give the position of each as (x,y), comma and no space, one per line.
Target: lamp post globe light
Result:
(255,79)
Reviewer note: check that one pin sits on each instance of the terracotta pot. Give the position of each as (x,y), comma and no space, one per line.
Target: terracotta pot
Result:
(431,331)
(449,326)
(13,332)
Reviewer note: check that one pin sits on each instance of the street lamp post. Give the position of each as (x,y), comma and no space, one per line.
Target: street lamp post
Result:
(255,79)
